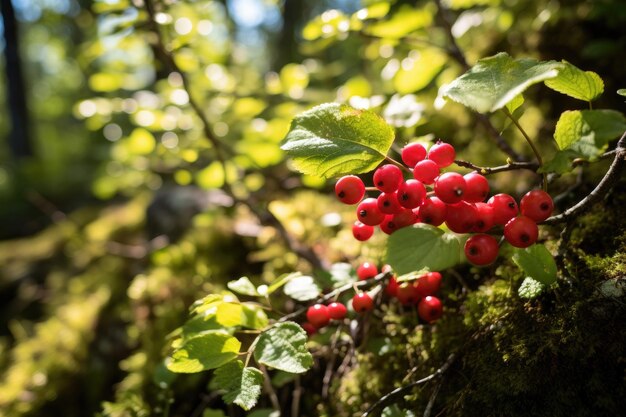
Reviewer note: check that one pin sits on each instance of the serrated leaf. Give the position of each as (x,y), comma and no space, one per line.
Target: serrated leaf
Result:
(242,385)
(422,247)
(243,286)
(574,82)
(207,351)
(589,130)
(302,288)
(537,263)
(495,81)
(560,163)
(530,288)
(395,411)
(283,346)
(335,139)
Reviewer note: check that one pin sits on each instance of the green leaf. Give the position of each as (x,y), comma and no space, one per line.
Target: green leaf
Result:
(418,72)
(341,273)
(592,128)
(265,412)
(530,288)
(302,288)
(515,104)
(583,134)
(574,82)
(210,412)
(254,317)
(622,92)
(283,346)
(243,286)
(207,351)
(422,247)
(282,280)
(403,22)
(537,263)
(495,81)
(242,385)
(229,314)
(335,139)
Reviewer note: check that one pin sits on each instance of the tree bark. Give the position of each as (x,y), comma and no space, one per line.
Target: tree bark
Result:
(16,95)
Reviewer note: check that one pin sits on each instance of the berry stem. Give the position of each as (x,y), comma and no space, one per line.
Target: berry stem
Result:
(544,176)
(399,164)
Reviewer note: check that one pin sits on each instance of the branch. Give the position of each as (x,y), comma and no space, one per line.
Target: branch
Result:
(603,187)
(512,166)
(391,397)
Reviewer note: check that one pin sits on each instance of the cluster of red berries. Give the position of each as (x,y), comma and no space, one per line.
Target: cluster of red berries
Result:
(454,199)
(420,292)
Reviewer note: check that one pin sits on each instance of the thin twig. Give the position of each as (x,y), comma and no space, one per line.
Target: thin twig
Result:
(295,401)
(457,54)
(433,397)
(531,166)
(391,397)
(270,390)
(265,215)
(603,187)
(361,284)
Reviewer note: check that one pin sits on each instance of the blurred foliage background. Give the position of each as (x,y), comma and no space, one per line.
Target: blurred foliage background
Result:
(112,216)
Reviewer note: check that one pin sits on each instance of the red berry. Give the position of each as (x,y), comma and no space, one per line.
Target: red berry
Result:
(521,231)
(362,302)
(428,284)
(366,270)
(432,211)
(450,187)
(387,178)
(504,208)
(411,194)
(318,315)
(405,218)
(392,287)
(362,232)
(413,153)
(388,203)
(350,189)
(537,205)
(477,188)
(430,309)
(407,293)
(337,311)
(481,249)
(426,171)
(309,328)
(484,217)
(368,212)
(442,154)
(388,226)
(461,217)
